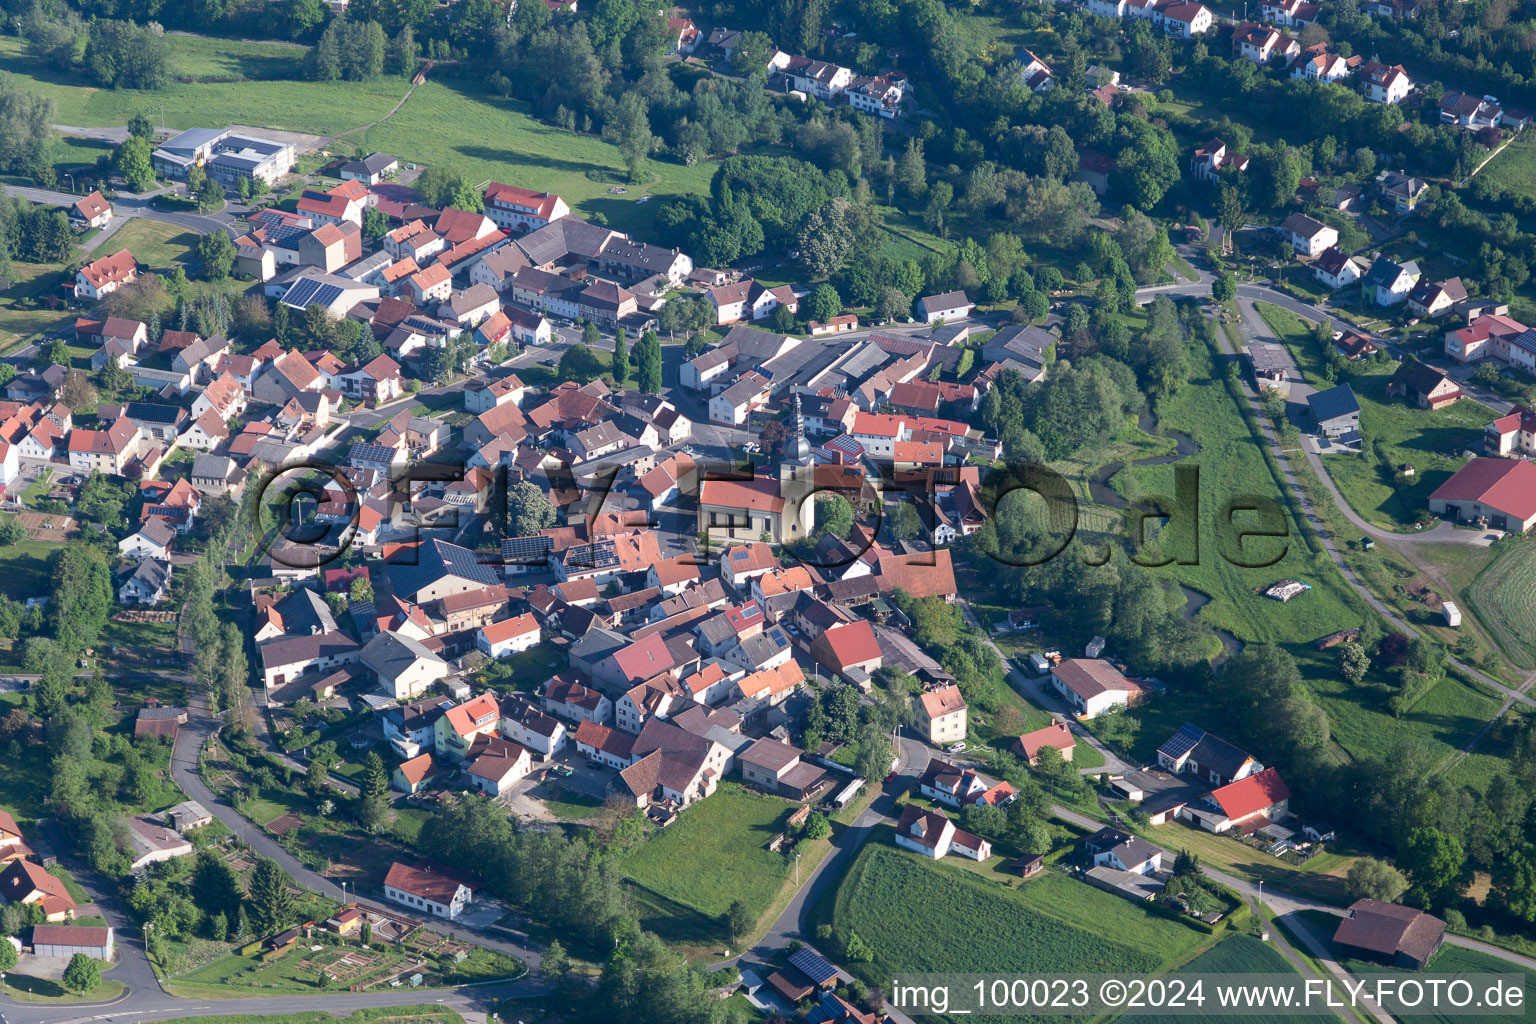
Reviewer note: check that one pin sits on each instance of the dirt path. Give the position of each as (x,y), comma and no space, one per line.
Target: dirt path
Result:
(419,79)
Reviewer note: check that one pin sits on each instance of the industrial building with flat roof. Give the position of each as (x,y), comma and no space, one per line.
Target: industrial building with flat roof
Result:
(224,154)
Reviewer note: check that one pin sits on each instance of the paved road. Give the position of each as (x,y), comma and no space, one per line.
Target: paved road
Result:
(1249,293)
(184,760)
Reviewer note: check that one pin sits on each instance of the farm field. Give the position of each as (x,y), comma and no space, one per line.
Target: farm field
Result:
(1395,432)
(1238,954)
(716,852)
(1504,595)
(910,910)
(1232,464)
(1455,960)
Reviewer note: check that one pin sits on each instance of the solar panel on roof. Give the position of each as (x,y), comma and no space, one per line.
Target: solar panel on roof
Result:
(525,550)
(1183,741)
(813,965)
(593,556)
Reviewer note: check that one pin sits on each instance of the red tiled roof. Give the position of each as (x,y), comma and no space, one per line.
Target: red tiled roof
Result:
(423,881)
(120,266)
(1249,796)
(852,643)
(507,629)
(1508,485)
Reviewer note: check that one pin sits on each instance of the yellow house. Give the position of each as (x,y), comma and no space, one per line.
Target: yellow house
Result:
(941,715)
(410,776)
(455,732)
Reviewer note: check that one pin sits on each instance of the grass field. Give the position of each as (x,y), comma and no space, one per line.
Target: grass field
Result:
(382,1015)
(1232,464)
(716,852)
(1514,170)
(26,989)
(154,243)
(1431,442)
(1504,595)
(1238,954)
(32,282)
(24,567)
(202,57)
(921,914)
(1454,960)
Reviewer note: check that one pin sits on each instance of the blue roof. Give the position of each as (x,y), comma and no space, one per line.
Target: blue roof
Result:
(1333,403)
(814,966)
(434,560)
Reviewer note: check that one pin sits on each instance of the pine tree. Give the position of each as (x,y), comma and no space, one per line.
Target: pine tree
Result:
(620,362)
(648,363)
(271,903)
(375,778)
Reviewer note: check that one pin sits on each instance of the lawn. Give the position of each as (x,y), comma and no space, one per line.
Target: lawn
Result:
(381,1015)
(1233,466)
(1504,595)
(20,317)
(298,971)
(155,244)
(1238,954)
(716,852)
(1396,434)
(204,57)
(26,989)
(1321,877)
(1514,170)
(918,914)
(24,567)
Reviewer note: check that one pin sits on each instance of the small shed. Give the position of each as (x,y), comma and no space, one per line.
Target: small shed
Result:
(1039,663)
(1368,543)
(1095,647)
(1452,614)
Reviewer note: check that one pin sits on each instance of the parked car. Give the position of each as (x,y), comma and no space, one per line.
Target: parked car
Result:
(957,748)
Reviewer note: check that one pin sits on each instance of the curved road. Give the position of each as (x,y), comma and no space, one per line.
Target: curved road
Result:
(1248,293)
(145,998)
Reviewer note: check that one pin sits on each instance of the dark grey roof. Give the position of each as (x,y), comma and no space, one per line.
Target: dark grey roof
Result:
(212,467)
(1213,753)
(373,163)
(389,654)
(598,644)
(568,236)
(305,611)
(157,530)
(435,559)
(149,412)
(153,573)
(1334,403)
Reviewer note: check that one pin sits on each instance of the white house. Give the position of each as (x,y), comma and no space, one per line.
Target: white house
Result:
(1093,686)
(152,540)
(524,724)
(509,636)
(933,835)
(1184,21)
(1336,269)
(948,306)
(423,888)
(1307,235)
(106,275)
(401,665)
(1385,83)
